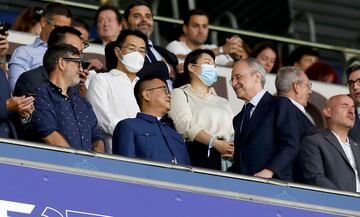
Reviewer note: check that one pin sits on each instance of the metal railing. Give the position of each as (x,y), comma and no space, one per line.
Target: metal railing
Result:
(233,31)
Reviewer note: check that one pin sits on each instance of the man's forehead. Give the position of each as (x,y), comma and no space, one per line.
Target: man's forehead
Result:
(354,75)
(135,41)
(140,9)
(199,19)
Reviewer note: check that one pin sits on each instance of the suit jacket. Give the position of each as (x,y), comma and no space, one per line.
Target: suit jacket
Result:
(354,133)
(324,162)
(306,128)
(167,55)
(7,128)
(270,140)
(145,137)
(30,80)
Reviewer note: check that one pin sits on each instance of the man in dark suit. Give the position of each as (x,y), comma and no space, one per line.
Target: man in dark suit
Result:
(353,77)
(138,16)
(293,83)
(147,136)
(331,159)
(266,130)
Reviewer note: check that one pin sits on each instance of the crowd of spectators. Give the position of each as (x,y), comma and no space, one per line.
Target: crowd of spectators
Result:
(148,105)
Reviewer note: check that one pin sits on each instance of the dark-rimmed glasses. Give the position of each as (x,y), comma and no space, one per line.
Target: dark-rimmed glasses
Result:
(352,83)
(132,48)
(79,60)
(162,88)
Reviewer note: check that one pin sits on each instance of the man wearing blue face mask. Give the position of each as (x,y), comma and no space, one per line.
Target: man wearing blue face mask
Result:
(112,94)
(200,116)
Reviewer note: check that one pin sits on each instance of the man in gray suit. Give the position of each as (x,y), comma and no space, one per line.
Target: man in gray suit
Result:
(331,159)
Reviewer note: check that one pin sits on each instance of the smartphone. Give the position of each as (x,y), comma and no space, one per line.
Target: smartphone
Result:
(31,94)
(5,27)
(85,64)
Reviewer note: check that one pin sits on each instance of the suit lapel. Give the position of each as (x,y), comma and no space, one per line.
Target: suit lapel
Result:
(258,114)
(330,137)
(356,152)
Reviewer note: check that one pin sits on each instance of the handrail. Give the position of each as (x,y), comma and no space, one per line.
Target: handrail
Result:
(234,31)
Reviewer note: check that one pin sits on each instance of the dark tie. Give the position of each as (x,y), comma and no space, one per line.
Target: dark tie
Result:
(150,54)
(246,116)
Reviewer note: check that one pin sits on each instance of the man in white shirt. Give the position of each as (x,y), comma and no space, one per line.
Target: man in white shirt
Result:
(353,77)
(196,30)
(331,159)
(112,94)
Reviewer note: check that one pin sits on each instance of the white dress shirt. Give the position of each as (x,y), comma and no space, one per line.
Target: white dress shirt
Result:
(112,98)
(255,100)
(350,156)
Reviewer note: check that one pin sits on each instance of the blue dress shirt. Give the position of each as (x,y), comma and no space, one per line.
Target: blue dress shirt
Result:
(146,137)
(71,116)
(25,58)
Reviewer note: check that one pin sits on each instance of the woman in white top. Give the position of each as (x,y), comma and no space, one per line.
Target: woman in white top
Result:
(200,116)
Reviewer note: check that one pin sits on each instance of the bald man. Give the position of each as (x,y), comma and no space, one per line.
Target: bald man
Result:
(331,159)
(147,136)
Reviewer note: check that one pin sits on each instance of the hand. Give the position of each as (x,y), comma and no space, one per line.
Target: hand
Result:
(265,173)
(96,65)
(20,104)
(234,47)
(225,148)
(4,45)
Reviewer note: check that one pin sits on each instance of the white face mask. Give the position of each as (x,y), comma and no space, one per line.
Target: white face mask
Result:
(132,61)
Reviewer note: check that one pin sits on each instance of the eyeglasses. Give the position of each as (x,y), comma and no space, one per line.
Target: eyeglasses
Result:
(162,88)
(132,48)
(86,45)
(49,20)
(352,83)
(77,60)
(309,85)
(235,78)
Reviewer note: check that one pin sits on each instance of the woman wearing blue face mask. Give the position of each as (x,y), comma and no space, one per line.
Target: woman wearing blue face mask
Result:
(200,116)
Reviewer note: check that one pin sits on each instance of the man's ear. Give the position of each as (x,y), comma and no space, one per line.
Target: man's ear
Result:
(296,87)
(124,24)
(145,95)
(326,112)
(61,64)
(43,22)
(117,52)
(185,29)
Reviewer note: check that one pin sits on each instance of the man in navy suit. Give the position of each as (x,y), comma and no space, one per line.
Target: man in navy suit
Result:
(147,136)
(353,77)
(266,130)
(331,159)
(293,83)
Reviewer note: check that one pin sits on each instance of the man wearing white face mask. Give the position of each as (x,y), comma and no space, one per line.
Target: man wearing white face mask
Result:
(112,94)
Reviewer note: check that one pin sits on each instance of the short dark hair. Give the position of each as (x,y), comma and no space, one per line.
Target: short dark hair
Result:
(352,69)
(110,56)
(138,86)
(126,32)
(192,13)
(57,36)
(78,22)
(55,8)
(53,53)
(105,8)
(133,4)
(299,52)
(262,46)
(192,57)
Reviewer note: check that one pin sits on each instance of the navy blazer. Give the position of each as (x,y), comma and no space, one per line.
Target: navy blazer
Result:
(307,128)
(325,164)
(7,128)
(270,140)
(354,133)
(30,80)
(145,137)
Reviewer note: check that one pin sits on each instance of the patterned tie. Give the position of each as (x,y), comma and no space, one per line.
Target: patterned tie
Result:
(246,116)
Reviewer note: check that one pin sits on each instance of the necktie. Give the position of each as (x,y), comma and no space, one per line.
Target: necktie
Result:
(246,116)
(150,54)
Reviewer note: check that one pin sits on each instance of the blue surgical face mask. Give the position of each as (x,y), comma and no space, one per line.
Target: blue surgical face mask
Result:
(208,74)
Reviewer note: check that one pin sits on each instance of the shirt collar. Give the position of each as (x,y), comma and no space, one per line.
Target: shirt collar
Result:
(339,139)
(150,43)
(38,42)
(256,99)
(116,72)
(298,105)
(58,90)
(211,91)
(147,117)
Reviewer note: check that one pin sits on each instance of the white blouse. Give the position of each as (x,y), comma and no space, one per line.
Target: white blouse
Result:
(192,113)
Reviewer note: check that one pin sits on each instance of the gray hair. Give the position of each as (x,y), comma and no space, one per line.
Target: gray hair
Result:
(255,67)
(285,78)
